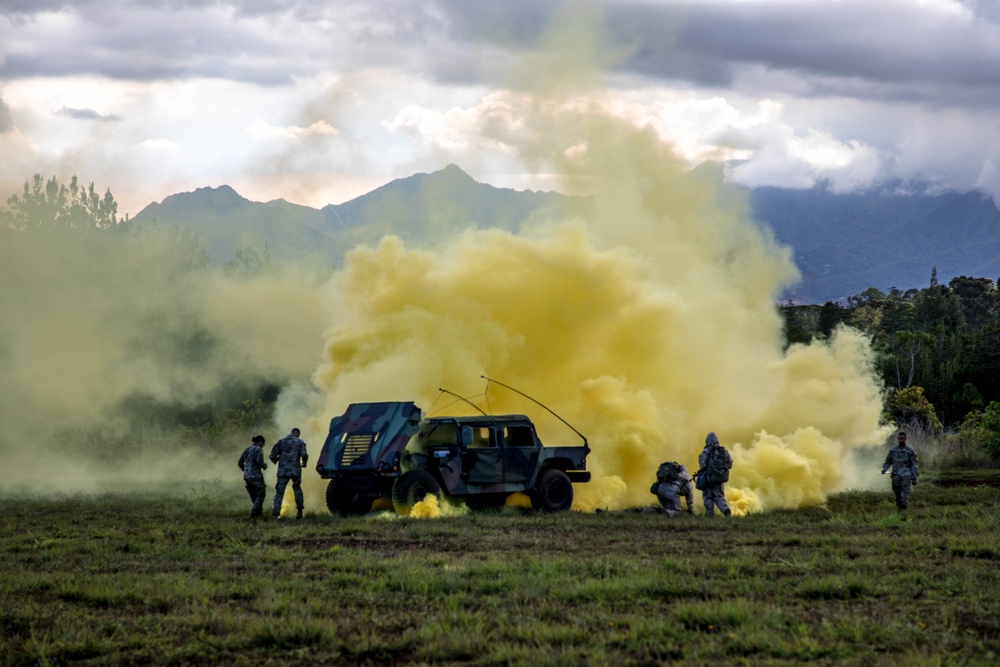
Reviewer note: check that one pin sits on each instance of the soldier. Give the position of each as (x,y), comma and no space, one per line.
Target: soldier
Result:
(903,460)
(252,464)
(715,463)
(291,456)
(670,489)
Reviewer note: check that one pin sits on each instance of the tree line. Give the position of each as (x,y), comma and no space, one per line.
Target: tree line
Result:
(937,348)
(128,311)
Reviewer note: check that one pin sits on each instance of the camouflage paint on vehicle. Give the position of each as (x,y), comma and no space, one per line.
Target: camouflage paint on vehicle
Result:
(372,444)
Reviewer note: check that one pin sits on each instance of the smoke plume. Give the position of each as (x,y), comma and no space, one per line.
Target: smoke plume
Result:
(645,316)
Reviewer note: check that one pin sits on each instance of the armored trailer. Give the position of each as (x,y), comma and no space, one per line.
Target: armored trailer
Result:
(388,450)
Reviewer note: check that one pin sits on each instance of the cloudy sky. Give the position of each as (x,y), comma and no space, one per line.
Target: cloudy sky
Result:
(318,102)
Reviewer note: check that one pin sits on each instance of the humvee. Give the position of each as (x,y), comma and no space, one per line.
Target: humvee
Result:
(390,451)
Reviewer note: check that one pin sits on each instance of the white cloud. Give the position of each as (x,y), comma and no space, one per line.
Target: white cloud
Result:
(162,146)
(260,129)
(849,92)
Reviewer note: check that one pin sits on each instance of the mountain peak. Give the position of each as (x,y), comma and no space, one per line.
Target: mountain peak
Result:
(222,200)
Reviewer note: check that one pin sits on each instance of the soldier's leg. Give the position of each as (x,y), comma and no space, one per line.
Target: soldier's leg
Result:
(897,489)
(252,492)
(258,501)
(669,499)
(279,494)
(708,499)
(720,501)
(297,490)
(904,493)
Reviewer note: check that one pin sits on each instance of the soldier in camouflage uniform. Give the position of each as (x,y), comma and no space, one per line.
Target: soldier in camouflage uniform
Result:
(669,493)
(252,464)
(903,461)
(715,461)
(291,456)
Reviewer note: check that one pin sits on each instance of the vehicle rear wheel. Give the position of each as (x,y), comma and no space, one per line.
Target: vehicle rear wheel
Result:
(343,501)
(411,488)
(553,492)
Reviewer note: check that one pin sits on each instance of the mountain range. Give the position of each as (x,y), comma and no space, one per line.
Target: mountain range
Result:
(843,243)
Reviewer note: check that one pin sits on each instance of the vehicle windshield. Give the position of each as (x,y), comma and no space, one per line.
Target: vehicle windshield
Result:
(438,434)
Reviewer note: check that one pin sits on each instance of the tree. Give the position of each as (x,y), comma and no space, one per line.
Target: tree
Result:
(977,296)
(990,425)
(50,207)
(248,263)
(831,316)
(909,406)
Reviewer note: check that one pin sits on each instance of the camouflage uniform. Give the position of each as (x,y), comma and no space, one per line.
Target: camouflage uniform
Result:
(291,456)
(252,464)
(903,461)
(714,494)
(669,493)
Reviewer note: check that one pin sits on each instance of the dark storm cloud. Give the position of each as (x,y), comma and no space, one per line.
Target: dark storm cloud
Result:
(85,114)
(889,49)
(150,40)
(893,49)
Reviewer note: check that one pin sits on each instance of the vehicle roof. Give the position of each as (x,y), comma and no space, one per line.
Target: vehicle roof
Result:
(479,419)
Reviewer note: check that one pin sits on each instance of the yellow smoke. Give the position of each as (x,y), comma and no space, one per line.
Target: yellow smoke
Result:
(99,338)
(645,316)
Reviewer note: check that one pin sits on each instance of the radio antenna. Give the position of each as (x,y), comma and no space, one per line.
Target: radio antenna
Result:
(489,380)
(462,398)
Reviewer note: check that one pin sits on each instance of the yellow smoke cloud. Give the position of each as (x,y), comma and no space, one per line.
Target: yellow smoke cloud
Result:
(98,337)
(645,316)
(638,357)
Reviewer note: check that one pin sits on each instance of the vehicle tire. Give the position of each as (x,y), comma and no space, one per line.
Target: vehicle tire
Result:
(553,492)
(411,488)
(341,500)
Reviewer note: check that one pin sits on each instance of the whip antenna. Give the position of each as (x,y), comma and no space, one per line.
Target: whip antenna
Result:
(582,437)
(463,398)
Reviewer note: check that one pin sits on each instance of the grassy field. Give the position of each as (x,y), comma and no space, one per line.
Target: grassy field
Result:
(186,579)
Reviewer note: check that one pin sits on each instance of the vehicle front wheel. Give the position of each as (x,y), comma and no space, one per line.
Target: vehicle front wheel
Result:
(411,488)
(553,492)
(343,501)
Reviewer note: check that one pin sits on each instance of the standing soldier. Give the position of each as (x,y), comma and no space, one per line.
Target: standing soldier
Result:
(672,482)
(291,456)
(715,463)
(252,464)
(903,460)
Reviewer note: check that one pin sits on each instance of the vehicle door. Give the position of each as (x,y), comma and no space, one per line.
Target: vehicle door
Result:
(483,460)
(520,453)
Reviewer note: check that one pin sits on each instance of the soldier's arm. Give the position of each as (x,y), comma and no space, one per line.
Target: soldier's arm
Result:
(260,459)
(275,452)
(305,455)
(888,461)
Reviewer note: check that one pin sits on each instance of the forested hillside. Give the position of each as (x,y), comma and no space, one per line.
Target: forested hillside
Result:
(943,340)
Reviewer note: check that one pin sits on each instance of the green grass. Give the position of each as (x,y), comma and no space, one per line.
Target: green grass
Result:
(156,579)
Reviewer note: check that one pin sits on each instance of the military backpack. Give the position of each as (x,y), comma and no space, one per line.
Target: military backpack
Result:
(668,472)
(717,466)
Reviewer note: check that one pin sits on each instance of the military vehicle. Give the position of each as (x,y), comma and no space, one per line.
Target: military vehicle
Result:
(391,451)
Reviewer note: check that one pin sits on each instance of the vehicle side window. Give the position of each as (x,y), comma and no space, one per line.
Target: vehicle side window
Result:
(481,438)
(518,436)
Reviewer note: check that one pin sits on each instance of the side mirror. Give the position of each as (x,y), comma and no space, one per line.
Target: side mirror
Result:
(465,436)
